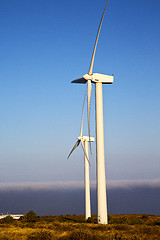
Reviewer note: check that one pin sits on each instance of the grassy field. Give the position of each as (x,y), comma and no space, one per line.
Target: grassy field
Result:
(32,227)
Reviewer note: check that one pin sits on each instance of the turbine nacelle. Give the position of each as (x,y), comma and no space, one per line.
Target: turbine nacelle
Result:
(86,139)
(95,77)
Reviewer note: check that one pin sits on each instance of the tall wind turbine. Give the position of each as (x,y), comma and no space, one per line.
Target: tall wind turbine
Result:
(84,142)
(98,79)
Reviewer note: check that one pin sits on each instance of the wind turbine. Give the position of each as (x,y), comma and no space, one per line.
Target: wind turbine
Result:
(84,142)
(98,79)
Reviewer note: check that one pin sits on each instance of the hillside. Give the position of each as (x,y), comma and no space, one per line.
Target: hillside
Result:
(32,227)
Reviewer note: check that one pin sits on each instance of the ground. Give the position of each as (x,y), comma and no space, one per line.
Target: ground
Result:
(74,227)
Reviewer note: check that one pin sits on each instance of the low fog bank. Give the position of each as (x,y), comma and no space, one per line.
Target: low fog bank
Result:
(130,200)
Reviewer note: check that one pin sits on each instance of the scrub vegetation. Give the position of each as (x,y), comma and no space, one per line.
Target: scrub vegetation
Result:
(124,227)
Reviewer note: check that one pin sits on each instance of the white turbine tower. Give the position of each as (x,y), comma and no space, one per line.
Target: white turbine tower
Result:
(98,79)
(84,142)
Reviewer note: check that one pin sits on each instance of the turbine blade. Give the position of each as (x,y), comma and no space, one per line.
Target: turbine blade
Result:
(79,80)
(94,50)
(89,105)
(75,146)
(85,152)
(82,116)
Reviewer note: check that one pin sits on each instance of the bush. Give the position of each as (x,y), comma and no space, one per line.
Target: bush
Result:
(109,218)
(84,235)
(8,219)
(5,238)
(121,227)
(156,223)
(144,217)
(91,220)
(135,221)
(118,236)
(146,230)
(42,235)
(29,217)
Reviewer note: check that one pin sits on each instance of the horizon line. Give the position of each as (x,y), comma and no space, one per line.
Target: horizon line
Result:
(69,185)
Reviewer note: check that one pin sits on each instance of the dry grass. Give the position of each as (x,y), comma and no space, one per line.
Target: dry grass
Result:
(124,227)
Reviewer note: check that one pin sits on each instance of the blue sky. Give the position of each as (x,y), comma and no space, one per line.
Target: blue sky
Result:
(44,45)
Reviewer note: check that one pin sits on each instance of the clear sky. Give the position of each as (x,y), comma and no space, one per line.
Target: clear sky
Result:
(44,45)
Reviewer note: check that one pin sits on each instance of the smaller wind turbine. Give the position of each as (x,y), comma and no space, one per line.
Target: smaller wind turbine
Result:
(84,142)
